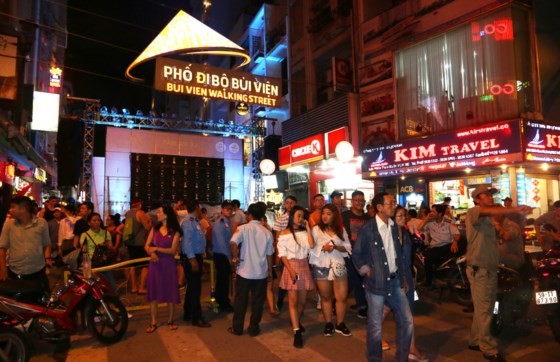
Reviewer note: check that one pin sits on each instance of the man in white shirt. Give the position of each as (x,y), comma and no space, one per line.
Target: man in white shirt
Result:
(254,267)
(444,238)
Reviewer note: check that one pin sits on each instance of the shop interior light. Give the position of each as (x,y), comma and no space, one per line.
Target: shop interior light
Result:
(503,167)
(402,177)
(545,166)
(468,170)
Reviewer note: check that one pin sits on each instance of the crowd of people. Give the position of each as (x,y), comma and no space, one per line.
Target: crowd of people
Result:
(332,251)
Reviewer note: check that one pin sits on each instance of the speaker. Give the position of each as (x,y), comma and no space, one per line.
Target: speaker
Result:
(271,145)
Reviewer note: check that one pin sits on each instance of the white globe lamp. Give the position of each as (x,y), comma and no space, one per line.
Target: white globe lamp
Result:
(344,151)
(267,166)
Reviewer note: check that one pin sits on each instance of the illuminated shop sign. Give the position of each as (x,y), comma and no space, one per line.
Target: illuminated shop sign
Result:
(181,77)
(56,77)
(311,149)
(499,30)
(541,142)
(487,145)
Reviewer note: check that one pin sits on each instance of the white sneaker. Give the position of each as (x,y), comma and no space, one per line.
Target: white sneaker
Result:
(417,358)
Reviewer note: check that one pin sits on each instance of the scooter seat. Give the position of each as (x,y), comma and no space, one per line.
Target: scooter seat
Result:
(21,289)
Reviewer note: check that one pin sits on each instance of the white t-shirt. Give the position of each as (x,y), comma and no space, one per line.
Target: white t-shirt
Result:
(256,245)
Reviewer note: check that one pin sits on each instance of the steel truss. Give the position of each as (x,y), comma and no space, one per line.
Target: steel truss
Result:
(93,114)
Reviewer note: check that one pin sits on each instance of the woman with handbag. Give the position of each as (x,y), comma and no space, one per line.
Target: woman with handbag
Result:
(329,270)
(294,243)
(98,246)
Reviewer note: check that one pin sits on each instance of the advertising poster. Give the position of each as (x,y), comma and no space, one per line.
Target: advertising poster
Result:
(492,144)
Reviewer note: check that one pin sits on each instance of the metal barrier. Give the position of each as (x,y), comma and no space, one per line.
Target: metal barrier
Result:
(130,263)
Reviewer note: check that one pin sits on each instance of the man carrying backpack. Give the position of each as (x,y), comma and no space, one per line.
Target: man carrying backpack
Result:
(137,225)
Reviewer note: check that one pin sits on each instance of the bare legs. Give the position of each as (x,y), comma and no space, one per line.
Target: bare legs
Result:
(337,288)
(296,300)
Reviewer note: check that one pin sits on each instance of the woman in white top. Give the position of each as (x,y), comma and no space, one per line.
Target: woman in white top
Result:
(327,258)
(294,243)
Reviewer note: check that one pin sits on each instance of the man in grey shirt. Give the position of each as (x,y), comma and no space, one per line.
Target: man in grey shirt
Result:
(27,239)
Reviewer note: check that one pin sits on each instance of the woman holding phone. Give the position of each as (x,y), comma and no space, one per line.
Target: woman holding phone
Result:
(294,244)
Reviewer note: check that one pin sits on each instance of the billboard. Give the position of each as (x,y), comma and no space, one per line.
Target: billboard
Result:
(46,107)
(492,144)
(182,77)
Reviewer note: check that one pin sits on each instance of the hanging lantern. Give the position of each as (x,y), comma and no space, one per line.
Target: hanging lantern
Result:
(344,151)
(267,166)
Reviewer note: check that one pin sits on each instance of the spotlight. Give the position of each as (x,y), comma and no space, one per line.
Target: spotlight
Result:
(139,113)
(126,112)
(104,110)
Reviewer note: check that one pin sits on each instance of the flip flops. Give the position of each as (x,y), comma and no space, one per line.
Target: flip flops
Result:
(152,328)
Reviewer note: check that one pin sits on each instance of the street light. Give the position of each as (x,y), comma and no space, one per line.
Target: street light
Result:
(344,151)
(267,166)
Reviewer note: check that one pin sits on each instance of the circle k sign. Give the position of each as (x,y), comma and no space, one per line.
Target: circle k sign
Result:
(314,148)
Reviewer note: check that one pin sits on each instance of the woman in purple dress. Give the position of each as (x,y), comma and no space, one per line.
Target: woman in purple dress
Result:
(162,245)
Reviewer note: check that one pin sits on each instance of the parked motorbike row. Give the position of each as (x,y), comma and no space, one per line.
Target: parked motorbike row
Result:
(517,289)
(82,303)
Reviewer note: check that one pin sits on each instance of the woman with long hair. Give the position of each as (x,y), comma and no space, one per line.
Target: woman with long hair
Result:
(329,270)
(112,223)
(162,245)
(406,243)
(294,244)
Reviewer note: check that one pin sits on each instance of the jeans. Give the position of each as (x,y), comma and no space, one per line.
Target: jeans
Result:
(355,283)
(397,301)
(257,288)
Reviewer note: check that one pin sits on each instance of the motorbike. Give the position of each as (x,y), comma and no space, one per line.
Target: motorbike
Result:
(547,289)
(450,275)
(23,304)
(13,346)
(513,298)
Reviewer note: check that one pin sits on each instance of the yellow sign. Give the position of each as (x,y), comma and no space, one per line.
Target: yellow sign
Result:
(206,81)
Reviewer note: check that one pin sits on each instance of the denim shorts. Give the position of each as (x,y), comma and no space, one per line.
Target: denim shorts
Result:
(321,273)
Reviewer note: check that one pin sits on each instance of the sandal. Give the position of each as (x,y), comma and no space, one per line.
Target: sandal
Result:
(171,326)
(152,328)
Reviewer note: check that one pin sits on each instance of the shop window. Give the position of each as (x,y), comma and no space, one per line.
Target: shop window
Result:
(468,76)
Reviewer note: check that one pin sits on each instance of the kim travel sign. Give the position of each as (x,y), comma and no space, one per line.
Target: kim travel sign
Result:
(182,77)
(492,144)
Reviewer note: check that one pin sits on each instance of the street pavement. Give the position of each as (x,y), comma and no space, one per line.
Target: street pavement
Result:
(441,332)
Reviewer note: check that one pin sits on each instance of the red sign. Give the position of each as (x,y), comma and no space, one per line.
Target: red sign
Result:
(284,157)
(492,144)
(333,138)
(309,149)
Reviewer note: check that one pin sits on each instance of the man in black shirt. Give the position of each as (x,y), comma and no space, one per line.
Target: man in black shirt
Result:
(81,225)
(353,220)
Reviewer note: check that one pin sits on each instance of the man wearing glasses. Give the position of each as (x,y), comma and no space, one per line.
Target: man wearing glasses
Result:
(377,254)
(353,220)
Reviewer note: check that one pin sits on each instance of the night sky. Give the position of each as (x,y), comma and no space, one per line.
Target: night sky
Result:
(105,36)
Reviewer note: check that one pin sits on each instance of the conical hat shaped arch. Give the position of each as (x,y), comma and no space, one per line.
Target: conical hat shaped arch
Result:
(186,35)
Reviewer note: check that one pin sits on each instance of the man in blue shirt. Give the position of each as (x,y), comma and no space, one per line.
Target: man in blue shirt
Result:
(193,245)
(221,236)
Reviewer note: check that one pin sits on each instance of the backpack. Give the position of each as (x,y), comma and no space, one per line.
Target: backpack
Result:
(128,231)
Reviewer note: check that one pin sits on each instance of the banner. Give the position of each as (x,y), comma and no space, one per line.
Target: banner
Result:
(492,144)
(182,77)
